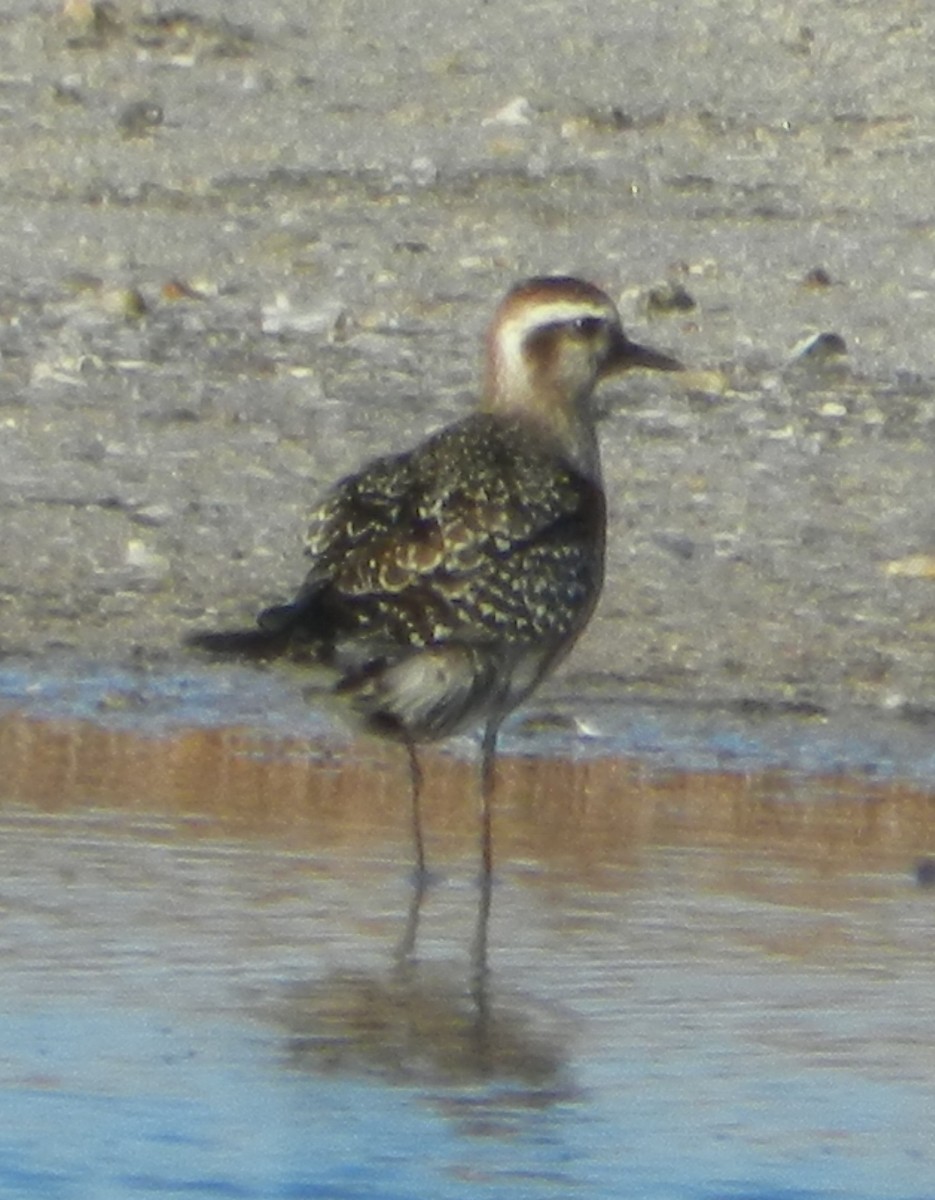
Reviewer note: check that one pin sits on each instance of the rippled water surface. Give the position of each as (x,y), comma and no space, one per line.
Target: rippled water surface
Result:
(709,984)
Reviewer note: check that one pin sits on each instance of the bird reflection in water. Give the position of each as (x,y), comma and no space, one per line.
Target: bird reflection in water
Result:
(419,1023)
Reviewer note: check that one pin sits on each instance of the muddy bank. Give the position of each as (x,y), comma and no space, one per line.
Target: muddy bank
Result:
(579,815)
(244,249)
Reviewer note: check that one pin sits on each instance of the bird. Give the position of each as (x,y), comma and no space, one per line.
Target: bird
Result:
(445,582)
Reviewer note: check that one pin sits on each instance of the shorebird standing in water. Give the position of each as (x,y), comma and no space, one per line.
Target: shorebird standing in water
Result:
(447,581)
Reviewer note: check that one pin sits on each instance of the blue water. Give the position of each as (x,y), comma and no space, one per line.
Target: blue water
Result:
(222,1020)
(115,1104)
(189,1013)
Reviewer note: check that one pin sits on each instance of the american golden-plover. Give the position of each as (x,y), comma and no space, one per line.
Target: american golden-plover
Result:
(447,581)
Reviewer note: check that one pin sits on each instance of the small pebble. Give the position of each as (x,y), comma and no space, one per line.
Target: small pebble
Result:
(548,722)
(66,93)
(925,872)
(328,317)
(914,566)
(152,515)
(819,348)
(817,278)
(178,289)
(712,380)
(423,171)
(90,20)
(140,118)
(139,555)
(669,298)
(126,302)
(517,112)
(677,544)
(612,119)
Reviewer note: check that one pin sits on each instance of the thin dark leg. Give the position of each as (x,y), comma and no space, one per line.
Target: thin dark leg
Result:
(415,778)
(479,968)
(405,951)
(487,766)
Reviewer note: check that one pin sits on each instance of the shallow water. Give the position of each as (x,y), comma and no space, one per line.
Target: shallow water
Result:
(698,983)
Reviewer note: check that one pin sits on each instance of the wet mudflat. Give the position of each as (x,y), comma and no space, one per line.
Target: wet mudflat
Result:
(218,979)
(206,318)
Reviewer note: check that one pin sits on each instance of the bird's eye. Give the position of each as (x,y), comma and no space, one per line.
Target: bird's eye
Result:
(587,326)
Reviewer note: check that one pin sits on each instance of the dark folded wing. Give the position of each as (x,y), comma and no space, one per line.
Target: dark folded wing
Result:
(480,534)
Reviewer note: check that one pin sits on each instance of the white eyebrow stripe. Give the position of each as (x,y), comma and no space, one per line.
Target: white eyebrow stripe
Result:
(539,315)
(514,331)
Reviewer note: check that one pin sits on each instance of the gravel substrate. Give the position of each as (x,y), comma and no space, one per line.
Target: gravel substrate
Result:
(245,246)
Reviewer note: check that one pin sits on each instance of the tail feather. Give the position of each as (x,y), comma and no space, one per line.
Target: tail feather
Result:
(297,630)
(255,644)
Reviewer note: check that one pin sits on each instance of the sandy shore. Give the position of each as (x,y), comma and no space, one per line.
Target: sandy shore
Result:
(246,248)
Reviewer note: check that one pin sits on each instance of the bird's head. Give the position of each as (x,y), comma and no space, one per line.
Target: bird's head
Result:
(552,339)
(556,334)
